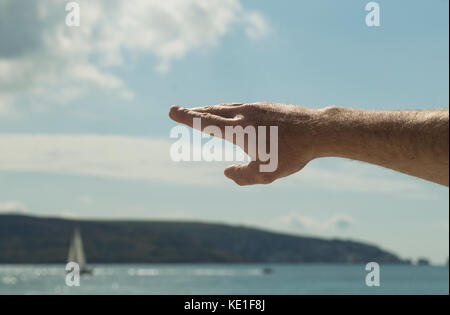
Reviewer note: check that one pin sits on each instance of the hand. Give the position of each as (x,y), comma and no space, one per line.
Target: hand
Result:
(298,135)
(412,142)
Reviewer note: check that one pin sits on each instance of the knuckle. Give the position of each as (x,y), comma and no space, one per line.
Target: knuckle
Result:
(207,116)
(241,119)
(248,107)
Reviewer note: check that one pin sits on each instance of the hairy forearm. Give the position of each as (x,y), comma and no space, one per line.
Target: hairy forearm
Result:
(411,142)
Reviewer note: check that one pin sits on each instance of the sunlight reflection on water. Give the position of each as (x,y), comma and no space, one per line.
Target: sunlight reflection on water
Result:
(223,279)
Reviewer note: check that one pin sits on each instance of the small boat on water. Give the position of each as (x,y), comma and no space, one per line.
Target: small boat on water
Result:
(267,270)
(76,253)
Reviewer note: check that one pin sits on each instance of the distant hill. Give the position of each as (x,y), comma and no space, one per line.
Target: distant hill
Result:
(25,239)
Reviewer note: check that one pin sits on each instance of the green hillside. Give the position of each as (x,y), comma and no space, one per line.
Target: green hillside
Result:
(25,239)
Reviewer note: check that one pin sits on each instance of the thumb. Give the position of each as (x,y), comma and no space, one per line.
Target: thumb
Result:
(248,174)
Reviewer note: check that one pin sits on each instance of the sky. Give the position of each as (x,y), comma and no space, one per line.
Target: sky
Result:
(84,127)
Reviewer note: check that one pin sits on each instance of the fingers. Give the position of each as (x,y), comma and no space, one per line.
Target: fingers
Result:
(222,116)
(208,118)
(249,174)
(222,111)
(229,110)
(232,104)
(225,110)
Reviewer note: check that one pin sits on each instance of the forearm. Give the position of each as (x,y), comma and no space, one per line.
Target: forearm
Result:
(411,142)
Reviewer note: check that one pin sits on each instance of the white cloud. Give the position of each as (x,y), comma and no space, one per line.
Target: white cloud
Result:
(11,206)
(6,102)
(140,158)
(294,221)
(40,55)
(359,177)
(118,157)
(85,199)
(257,26)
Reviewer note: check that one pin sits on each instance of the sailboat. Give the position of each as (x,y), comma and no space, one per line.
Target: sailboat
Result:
(76,253)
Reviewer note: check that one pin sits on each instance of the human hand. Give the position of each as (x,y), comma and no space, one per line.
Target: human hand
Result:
(298,135)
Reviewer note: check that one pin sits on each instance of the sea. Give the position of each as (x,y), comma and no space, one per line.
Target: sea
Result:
(224,279)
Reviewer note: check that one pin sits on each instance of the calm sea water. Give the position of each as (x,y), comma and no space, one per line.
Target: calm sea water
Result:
(224,279)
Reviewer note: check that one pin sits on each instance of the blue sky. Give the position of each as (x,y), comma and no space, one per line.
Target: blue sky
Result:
(84,130)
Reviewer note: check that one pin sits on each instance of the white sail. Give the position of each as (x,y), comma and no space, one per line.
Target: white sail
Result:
(76,251)
(71,256)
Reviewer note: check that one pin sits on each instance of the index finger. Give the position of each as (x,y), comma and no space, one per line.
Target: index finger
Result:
(223,110)
(186,116)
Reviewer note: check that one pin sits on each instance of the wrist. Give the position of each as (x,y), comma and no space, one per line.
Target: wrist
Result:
(332,135)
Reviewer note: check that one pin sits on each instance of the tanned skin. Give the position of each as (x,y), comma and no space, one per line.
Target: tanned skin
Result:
(413,142)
